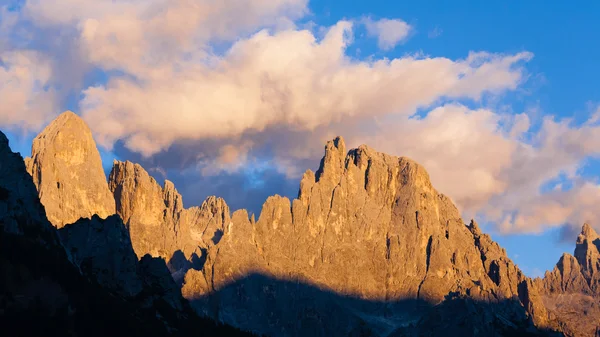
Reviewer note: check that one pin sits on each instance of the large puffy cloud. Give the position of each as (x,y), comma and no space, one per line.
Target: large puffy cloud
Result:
(289,78)
(148,37)
(27,101)
(224,86)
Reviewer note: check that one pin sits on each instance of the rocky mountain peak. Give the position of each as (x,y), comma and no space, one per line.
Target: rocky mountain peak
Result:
(67,170)
(587,251)
(571,291)
(366,225)
(172,198)
(474,228)
(368,228)
(332,163)
(144,205)
(587,231)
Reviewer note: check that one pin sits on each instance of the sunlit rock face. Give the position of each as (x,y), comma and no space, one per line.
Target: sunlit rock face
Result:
(571,291)
(366,226)
(67,170)
(159,224)
(368,247)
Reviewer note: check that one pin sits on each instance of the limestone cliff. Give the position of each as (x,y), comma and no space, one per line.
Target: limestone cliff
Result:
(157,221)
(368,226)
(67,170)
(571,291)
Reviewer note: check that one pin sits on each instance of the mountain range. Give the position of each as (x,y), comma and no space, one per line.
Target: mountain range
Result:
(368,248)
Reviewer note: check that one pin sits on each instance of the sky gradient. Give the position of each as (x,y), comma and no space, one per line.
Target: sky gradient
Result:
(236,98)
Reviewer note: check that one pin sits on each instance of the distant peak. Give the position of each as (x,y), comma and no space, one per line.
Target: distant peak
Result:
(169,185)
(66,166)
(336,147)
(70,123)
(588,231)
(332,162)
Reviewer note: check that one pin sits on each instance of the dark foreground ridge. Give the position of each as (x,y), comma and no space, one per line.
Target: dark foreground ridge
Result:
(45,292)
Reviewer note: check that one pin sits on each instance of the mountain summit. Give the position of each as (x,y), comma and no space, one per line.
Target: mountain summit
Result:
(571,291)
(67,170)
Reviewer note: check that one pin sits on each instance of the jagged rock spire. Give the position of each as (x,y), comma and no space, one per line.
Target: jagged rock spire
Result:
(366,225)
(588,255)
(157,220)
(67,170)
(571,290)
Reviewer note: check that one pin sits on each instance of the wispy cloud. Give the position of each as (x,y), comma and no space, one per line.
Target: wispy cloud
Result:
(389,32)
(435,32)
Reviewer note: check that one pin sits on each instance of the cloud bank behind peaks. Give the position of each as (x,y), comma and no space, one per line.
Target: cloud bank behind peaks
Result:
(229,86)
(28,103)
(290,78)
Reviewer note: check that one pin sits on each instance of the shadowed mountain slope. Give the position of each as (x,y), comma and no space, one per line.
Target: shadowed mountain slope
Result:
(301,309)
(47,290)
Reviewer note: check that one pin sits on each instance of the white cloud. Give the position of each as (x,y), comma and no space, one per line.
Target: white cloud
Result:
(27,102)
(285,78)
(389,32)
(140,35)
(480,159)
(435,32)
(240,75)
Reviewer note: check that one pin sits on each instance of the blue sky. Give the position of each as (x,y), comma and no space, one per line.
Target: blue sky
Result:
(558,81)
